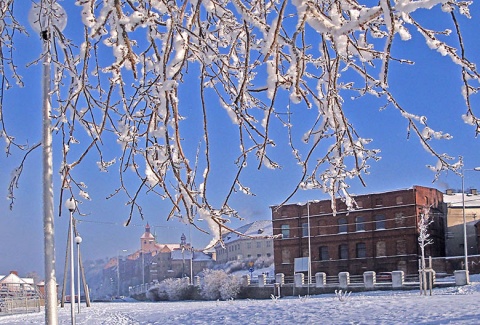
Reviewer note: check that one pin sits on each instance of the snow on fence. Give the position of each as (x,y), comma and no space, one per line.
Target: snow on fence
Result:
(20,305)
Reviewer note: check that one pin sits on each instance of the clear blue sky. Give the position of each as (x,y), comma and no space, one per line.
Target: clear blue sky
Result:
(431,87)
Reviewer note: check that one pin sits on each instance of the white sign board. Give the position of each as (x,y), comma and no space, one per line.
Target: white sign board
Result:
(301,264)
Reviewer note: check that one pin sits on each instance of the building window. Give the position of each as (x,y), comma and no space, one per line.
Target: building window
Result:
(342,225)
(378,202)
(249,245)
(285,231)
(285,256)
(381,249)
(343,252)
(399,199)
(401,247)
(379,222)
(323,253)
(359,204)
(268,254)
(360,224)
(259,244)
(361,250)
(304,229)
(269,243)
(399,219)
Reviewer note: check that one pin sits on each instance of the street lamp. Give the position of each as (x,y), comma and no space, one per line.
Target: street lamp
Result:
(118,272)
(465,242)
(70,204)
(78,240)
(44,18)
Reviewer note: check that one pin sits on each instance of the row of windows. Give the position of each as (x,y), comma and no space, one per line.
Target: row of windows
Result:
(239,257)
(342,251)
(236,247)
(360,225)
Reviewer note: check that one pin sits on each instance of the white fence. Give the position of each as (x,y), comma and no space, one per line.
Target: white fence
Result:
(19,305)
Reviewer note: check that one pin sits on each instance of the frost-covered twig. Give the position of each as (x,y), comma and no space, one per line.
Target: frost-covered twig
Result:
(342,296)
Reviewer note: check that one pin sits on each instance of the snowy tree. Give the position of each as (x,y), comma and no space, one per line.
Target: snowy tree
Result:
(424,221)
(121,79)
(169,289)
(217,284)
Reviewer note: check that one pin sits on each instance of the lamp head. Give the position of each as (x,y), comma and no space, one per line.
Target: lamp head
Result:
(71,204)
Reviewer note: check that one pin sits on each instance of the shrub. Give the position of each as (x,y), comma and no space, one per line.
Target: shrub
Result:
(218,284)
(170,289)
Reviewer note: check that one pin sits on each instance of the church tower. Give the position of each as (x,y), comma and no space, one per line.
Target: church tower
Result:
(147,241)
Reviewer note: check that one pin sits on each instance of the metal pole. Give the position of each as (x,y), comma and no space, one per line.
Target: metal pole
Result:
(78,271)
(191,253)
(143,268)
(309,249)
(51,312)
(465,246)
(72,272)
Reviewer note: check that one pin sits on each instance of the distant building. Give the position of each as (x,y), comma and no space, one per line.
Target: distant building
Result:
(250,241)
(12,285)
(380,235)
(454,238)
(152,262)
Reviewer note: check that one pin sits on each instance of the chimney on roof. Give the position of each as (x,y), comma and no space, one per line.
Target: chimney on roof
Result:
(14,272)
(449,191)
(473,191)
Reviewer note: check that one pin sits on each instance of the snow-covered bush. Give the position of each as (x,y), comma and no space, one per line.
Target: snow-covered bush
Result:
(263,261)
(234,266)
(218,284)
(169,289)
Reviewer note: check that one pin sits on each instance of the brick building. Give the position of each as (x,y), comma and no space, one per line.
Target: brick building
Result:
(379,235)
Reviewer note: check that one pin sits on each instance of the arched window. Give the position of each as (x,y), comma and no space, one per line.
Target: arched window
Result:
(361,250)
(381,249)
(342,225)
(360,223)
(379,222)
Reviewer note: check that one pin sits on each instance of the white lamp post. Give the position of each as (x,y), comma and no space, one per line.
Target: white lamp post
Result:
(465,241)
(78,240)
(70,204)
(43,18)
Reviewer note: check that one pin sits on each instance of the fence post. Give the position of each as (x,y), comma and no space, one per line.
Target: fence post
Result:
(299,279)
(320,279)
(280,278)
(398,278)
(369,279)
(262,280)
(344,280)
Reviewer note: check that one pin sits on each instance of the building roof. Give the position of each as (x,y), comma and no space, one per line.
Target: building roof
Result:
(197,256)
(454,200)
(12,278)
(260,229)
(358,195)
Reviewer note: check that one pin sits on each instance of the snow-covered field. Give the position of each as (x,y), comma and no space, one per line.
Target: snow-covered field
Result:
(455,305)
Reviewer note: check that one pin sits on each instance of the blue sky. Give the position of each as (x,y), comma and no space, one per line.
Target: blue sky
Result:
(430,87)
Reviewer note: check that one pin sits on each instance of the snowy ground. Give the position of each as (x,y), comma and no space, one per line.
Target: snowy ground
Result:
(455,305)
